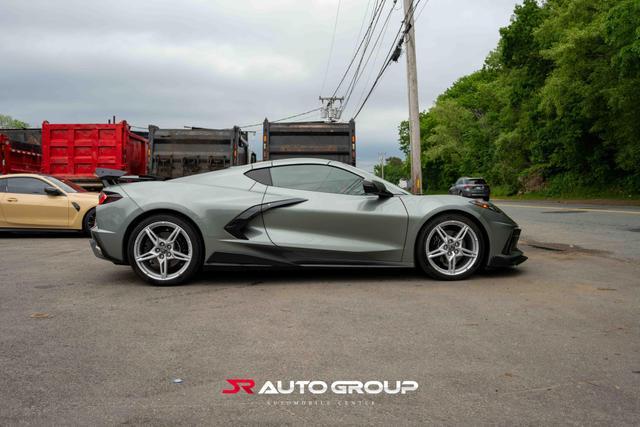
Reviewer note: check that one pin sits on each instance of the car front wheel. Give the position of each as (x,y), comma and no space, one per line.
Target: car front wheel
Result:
(165,250)
(450,247)
(89,221)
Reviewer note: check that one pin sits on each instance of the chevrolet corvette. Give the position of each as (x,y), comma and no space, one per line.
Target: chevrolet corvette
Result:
(295,213)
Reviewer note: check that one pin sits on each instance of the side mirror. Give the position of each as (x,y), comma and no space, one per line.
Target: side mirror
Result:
(377,188)
(52,191)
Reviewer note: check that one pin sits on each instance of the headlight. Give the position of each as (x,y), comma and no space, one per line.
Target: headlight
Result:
(485,205)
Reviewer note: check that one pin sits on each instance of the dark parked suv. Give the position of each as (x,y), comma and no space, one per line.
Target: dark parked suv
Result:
(471,187)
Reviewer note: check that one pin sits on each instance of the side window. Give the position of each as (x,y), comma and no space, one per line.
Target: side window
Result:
(263,176)
(3,185)
(321,178)
(26,186)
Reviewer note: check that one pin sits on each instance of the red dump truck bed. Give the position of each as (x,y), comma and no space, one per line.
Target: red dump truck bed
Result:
(18,157)
(74,151)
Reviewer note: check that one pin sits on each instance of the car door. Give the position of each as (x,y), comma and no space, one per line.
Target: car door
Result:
(330,220)
(26,205)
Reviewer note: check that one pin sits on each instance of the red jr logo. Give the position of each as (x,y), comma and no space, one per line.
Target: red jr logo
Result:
(237,384)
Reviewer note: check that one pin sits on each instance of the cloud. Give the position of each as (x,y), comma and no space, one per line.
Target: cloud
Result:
(222,63)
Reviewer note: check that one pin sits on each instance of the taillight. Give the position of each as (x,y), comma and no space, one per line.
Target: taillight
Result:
(108,197)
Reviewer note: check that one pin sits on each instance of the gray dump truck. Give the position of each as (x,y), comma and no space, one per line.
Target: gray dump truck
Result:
(324,140)
(182,152)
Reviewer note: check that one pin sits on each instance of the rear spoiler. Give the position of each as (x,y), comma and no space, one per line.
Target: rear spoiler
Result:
(114,176)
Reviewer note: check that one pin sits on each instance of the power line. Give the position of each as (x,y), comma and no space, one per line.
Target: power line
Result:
(379,38)
(368,37)
(333,40)
(368,79)
(394,52)
(284,118)
(364,18)
(377,9)
(420,12)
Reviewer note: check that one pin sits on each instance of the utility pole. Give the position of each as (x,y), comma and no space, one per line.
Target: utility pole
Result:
(414,112)
(381,158)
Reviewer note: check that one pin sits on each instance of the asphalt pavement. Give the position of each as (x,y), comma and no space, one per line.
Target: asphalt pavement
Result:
(554,341)
(609,230)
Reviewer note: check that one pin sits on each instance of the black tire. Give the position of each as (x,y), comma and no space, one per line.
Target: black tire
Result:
(89,221)
(421,247)
(197,250)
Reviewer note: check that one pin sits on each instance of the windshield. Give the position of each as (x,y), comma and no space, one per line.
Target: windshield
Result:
(476,181)
(66,185)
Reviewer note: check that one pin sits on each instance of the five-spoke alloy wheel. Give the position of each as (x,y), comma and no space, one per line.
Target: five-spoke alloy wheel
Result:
(165,250)
(450,247)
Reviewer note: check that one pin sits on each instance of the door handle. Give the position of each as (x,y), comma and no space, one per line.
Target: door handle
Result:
(12,199)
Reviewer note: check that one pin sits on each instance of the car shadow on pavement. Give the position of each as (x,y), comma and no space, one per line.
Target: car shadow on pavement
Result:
(252,277)
(212,276)
(279,275)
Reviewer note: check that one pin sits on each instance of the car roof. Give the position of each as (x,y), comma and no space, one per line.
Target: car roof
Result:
(291,161)
(24,175)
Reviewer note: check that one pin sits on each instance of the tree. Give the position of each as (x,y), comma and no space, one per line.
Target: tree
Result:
(394,170)
(8,122)
(555,104)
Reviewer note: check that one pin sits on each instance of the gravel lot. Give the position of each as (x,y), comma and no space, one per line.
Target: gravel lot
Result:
(556,340)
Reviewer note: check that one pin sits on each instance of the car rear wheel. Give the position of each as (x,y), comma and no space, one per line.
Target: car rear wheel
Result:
(450,247)
(165,250)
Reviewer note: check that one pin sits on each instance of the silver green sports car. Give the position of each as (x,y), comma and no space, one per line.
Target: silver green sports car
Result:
(295,213)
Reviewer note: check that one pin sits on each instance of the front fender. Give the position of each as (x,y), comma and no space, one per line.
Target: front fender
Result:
(497,227)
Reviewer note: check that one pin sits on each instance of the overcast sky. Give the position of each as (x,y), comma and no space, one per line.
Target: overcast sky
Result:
(223,63)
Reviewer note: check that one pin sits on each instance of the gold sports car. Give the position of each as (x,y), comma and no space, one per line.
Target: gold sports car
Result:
(42,202)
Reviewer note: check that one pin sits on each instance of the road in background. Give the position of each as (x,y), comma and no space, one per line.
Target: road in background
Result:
(611,230)
(555,341)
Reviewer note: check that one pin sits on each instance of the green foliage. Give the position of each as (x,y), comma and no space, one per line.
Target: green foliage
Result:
(8,122)
(555,109)
(394,170)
